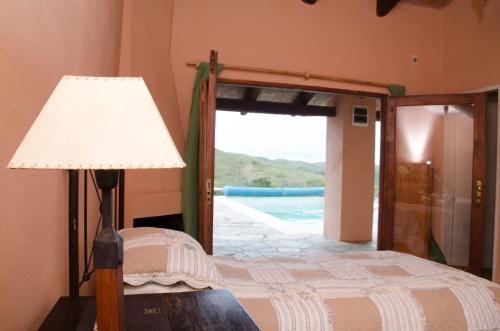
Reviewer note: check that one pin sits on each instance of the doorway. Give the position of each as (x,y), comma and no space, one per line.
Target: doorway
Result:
(246,99)
(269,184)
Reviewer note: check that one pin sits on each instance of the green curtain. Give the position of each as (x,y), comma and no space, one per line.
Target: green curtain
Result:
(397,90)
(435,252)
(190,210)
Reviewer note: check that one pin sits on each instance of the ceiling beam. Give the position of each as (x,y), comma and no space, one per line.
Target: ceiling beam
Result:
(303,98)
(385,6)
(252,93)
(278,108)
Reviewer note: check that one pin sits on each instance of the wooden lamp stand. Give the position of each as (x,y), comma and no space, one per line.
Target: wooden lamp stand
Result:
(108,261)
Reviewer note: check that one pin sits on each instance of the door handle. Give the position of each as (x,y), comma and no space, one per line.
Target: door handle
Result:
(479,192)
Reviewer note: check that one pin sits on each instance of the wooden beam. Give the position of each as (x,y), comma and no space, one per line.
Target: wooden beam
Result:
(302,87)
(385,6)
(264,107)
(252,93)
(303,98)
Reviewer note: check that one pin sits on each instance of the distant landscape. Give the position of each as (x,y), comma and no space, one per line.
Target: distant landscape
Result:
(245,170)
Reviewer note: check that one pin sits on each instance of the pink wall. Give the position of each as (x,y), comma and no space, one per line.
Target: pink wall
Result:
(341,37)
(417,130)
(40,41)
(471,46)
(349,172)
(145,51)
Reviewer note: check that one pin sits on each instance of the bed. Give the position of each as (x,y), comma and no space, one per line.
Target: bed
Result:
(382,290)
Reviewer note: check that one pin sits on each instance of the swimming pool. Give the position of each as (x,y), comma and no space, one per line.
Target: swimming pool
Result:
(286,214)
(303,210)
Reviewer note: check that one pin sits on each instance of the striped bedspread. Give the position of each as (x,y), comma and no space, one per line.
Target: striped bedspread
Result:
(360,291)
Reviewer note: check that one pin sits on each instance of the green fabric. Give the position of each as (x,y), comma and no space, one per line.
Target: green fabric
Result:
(397,90)
(190,212)
(435,253)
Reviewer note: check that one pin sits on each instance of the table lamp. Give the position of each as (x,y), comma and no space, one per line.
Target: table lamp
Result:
(102,124)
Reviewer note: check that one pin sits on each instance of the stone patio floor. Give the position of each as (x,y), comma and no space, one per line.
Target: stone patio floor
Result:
(236,233)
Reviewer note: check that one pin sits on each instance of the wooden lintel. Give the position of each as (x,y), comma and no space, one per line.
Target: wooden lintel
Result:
(264,107)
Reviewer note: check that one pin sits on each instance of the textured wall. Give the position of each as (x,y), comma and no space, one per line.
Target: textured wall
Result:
(146,52)
(40,41)
(471,46)
(337,37)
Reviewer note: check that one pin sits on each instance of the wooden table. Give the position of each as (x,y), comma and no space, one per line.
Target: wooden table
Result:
(201,310)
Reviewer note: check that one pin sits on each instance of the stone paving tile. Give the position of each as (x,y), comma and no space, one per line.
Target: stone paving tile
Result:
(237,234)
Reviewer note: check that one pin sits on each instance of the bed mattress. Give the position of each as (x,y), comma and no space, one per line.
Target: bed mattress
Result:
(382,290)
(360,291)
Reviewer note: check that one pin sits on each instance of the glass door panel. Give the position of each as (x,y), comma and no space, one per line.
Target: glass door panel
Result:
(434,158)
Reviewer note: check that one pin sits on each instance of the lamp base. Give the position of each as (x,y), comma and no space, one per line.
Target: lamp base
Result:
(108,261)
(110,307)
(108,249)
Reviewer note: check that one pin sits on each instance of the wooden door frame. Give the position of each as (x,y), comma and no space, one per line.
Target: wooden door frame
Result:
(206,227)
(496,237)
(202,192)
(388,166)
(208,95)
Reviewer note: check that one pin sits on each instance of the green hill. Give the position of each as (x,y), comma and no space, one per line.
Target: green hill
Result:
(244,170)
(316,167)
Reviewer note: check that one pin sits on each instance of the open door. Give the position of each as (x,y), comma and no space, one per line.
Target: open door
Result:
(208,97)
(434,172)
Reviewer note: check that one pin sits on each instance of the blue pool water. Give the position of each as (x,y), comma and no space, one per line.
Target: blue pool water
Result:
(303,210)
(296,210)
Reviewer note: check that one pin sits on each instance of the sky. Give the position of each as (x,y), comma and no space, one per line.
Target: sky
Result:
(272,136)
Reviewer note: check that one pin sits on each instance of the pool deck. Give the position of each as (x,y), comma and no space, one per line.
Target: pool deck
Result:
(246,232)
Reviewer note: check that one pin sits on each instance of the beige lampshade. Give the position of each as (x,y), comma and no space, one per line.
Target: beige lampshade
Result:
(98,123)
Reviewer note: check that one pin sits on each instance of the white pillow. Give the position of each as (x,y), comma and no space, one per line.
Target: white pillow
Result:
(166,257)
